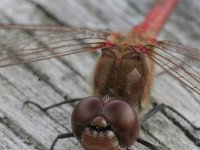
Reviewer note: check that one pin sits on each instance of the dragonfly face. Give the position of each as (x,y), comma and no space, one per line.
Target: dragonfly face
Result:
(103,124)
(121,75)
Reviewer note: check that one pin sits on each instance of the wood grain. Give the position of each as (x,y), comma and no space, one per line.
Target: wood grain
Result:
(51,81)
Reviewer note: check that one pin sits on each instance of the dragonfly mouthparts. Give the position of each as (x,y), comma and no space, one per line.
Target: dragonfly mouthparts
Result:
(99,122)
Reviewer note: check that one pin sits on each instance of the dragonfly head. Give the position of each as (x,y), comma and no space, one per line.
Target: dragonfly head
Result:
(104,126)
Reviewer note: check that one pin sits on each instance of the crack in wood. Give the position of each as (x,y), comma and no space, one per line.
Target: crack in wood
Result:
(161,144)
(190,136)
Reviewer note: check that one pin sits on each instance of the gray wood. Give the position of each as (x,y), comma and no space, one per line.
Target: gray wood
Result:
(71,76)
(10,140)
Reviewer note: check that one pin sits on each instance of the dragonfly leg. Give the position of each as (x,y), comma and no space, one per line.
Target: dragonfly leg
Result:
(61,136)
(160,108)
(147,144)
(51,106)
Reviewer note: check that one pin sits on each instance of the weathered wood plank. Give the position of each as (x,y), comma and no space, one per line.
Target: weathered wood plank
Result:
(42,129)
(70,78)
(10,140)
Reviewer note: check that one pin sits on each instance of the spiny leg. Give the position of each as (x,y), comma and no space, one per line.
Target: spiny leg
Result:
(51,106)
(61,136)
(147,144)
(160,108)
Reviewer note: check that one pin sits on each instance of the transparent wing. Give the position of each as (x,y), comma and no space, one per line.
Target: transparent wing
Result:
(29,43)
(180,61)
(190,52)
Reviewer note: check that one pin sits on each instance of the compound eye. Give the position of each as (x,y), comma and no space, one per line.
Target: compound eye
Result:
(123,120)
(86,110)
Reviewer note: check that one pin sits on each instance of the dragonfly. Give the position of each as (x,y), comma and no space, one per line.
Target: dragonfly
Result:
(123,75)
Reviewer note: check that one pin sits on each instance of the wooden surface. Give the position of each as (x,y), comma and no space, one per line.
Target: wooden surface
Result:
(48,82)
